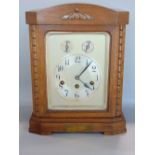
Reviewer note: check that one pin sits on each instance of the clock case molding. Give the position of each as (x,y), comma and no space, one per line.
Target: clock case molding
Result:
(77,18)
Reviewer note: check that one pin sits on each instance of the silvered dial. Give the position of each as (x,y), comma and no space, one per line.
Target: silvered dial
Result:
(77,77)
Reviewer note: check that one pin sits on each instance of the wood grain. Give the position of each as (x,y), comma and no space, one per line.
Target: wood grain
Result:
(78,18)
(53,15)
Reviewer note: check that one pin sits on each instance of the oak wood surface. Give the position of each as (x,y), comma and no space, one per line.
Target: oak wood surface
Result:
(100,15)
(77,18)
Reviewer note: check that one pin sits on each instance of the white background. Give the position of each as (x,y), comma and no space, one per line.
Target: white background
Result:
(145,84)
(83,144)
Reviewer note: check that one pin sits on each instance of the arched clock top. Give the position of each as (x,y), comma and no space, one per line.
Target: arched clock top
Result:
(74,13)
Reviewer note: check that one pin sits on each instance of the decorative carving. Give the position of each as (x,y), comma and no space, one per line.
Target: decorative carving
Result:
(35,69)
(77,15)
(120,68)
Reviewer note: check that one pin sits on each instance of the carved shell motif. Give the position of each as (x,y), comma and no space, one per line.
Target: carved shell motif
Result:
(77,15)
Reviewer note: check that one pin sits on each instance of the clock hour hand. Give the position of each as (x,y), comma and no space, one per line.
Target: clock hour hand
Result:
(85,84)
(78,76)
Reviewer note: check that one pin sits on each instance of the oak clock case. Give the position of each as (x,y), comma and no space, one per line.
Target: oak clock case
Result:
(77,60)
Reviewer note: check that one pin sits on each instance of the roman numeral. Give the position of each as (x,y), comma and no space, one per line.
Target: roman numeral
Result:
(60,68)
(66,62)
(93,68)
(77,59)
(58,77)
(87,93)
(76,95)
(60,85)
(66,92)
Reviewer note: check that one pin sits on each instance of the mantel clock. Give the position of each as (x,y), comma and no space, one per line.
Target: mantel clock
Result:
(77,59)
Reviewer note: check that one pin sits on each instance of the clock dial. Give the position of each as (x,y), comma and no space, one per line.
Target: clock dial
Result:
(77,77)
(66,46)
(87,46)
(77,70)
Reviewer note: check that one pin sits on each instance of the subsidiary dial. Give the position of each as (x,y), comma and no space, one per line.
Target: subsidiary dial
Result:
(87,46)
(77,77)
(66,46)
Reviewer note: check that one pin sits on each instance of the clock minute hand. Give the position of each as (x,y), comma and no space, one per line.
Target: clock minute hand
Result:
(78,76)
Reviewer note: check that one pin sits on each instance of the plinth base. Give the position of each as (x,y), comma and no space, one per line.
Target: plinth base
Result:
(108,126)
